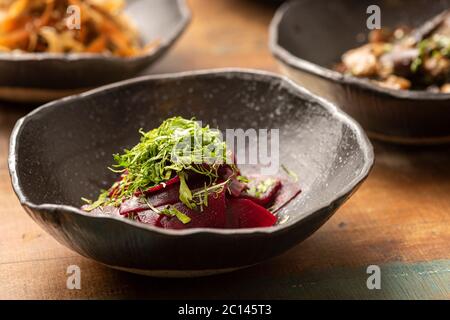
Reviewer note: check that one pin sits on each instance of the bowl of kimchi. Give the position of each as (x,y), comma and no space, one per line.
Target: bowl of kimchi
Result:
(51,48)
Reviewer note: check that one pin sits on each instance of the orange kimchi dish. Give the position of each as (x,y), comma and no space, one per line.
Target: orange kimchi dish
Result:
(68,26)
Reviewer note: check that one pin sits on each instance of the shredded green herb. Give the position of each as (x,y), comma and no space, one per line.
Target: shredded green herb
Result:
(200,198)
(435,46)
(423,47)
(291,173)
(174,212)
(175,148)
(185,192)
(243,179)
(261,188)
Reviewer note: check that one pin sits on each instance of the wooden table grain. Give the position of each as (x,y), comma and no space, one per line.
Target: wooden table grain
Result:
(398,220)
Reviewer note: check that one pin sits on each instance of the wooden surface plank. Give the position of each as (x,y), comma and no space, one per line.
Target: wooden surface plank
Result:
(399,219)
(424,280)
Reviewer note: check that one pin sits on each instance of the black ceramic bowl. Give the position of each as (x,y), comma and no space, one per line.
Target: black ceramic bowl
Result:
(60,152)
(308,37)
(42,77)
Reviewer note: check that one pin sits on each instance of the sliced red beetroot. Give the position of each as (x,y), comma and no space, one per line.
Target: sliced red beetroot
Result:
(244,213)
(235,186)
(169,195)
(133,205)
(225,172)
(212,216)
(165,196)
(160,186)
(150,217)
(196,180)
(161,195)
(107,210)
(263,196)
(289,190)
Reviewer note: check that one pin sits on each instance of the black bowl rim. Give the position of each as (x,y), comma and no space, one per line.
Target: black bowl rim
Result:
(335,112)
(75,57)
(298,63)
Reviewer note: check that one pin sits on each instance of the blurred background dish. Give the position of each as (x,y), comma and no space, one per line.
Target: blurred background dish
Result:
(307,40)
(43,76)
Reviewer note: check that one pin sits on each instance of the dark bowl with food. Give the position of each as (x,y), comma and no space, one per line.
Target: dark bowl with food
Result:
(59,153)
(309,37)
(43,76)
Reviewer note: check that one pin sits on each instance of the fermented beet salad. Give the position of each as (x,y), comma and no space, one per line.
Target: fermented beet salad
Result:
(182,176)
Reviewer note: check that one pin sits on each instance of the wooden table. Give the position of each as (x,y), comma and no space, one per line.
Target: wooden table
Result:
(399,219)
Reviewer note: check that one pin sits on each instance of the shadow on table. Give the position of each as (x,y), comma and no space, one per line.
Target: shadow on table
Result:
(258,282)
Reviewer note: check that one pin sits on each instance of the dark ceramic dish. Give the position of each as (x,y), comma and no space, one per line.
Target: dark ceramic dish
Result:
(43,76)
(60,152)
(309,36)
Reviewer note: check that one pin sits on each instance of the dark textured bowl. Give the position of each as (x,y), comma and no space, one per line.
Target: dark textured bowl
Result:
(60,152)
(308,37)
(43,77)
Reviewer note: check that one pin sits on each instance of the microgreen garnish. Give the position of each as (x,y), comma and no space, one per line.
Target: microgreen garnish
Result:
(174,212)
(435,46)
(243,179)
(290,173)
(200,197)
(169,211)
(92,205)
(418,61)
(261,188)
(185,192)
(176,148)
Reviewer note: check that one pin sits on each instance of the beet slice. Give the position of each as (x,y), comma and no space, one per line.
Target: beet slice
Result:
(166,196)
(266,198)
(101,211)
(150,217)
(161,195)
(235,186)
(212,216)
(133,205)
(196,180)
(244,213)
(159,187)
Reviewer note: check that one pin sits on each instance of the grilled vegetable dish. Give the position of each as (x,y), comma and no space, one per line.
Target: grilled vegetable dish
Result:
(181,176)
(68,26)
(405,59)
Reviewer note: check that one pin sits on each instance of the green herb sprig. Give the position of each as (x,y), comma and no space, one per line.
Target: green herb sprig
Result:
(178,147)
